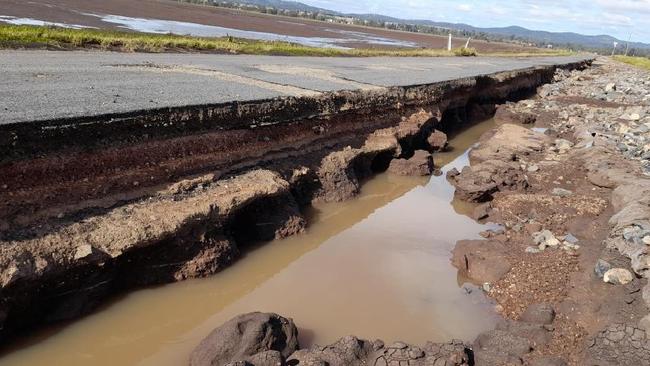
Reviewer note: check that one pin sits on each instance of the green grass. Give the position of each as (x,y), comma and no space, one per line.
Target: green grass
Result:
(642,62)
(25,36)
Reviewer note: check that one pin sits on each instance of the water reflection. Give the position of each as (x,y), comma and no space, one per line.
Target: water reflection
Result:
(377,267)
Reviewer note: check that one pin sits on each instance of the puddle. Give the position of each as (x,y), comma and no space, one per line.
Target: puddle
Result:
(30,21)
(194,29)
(377,267)
(160,26)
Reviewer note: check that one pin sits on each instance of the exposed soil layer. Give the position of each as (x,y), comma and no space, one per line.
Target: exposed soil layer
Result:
(91,207)
(573,207)
(75,12)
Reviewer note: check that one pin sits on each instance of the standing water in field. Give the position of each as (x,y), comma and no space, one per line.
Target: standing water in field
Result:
(377,267)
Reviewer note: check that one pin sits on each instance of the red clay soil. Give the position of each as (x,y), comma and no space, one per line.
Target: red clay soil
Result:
(71,12)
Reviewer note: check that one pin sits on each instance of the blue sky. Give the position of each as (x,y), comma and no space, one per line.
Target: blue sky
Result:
(618,18)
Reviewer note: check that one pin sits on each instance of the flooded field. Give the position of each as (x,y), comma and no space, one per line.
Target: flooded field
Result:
(376,266)
(161,16)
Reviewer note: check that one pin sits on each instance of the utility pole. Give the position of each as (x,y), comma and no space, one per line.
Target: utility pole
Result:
(614,49)
(449,43)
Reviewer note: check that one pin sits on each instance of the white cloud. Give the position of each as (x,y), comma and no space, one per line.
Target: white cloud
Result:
(618,18)
(625,6)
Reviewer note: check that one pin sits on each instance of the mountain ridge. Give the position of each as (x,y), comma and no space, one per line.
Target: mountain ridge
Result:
(515,32)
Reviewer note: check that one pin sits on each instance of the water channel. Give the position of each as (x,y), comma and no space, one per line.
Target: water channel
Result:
(376,267)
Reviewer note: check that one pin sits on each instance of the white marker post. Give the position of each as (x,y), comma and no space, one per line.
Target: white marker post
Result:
(614,49)
(449,43)
(467,43)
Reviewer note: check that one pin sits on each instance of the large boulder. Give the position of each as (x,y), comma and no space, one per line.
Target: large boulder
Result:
(478,183)
(249,338)
(420,164)
(481,260)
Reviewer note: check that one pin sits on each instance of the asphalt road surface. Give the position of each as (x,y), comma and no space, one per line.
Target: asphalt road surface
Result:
(44,85)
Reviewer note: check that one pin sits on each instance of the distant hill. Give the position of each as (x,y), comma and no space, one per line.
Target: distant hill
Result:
(558,38)
(286,5)
(563,39)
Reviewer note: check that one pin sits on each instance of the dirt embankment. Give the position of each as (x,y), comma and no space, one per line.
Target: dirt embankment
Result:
(91,207)
(573,204)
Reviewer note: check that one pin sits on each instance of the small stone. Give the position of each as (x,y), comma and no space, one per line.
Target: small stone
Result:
(533,168)
(618,276)
(398,345)
(83,251)
(563,145)
(561,192)
(610,87)
(486,287)
(646,240)
(631,232)
(544,239)
(568,246)
(497,229)
(532,250)
(570,238)
(601,267)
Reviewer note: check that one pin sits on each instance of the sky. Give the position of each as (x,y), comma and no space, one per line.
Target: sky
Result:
(618,18)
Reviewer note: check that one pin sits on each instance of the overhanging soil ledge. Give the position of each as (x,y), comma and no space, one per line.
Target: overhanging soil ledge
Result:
(94,206)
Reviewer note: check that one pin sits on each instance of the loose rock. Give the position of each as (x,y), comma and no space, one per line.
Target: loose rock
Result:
(618,276)
(420,164)
(437,141)
(561,192)
(601,268)
(245,336)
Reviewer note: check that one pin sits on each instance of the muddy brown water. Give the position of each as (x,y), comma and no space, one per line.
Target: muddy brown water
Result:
(376,267)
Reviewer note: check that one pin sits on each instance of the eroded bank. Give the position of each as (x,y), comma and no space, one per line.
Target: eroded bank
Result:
(96,206)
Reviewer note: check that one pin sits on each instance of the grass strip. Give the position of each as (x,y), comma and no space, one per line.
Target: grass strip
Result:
(49,37)
(642,62)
